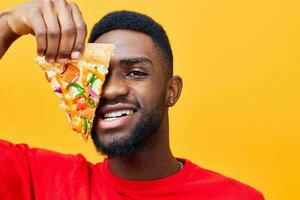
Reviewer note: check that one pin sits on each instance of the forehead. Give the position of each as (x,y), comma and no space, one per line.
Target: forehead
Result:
(130,44)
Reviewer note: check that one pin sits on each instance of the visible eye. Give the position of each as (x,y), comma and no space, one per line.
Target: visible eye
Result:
(136,73)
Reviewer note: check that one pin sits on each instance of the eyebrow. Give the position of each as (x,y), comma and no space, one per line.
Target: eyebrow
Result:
(137,60)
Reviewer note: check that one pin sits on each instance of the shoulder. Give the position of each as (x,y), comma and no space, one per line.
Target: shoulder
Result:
(225,187)
(46,171)
(39,160)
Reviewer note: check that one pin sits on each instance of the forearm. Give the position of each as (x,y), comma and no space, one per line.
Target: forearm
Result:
(7,37)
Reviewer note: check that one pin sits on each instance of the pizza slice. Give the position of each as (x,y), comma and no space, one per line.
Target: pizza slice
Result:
(78,84)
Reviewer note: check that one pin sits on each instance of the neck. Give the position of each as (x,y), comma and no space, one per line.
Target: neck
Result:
(152,161)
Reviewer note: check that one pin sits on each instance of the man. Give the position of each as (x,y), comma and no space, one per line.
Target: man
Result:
(140,164)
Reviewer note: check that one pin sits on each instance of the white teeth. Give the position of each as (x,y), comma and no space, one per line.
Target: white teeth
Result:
(109,119)
(114,115)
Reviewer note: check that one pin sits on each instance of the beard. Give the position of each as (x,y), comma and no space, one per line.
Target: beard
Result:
(143,130)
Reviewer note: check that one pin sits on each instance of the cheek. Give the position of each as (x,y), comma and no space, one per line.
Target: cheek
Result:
(149,93)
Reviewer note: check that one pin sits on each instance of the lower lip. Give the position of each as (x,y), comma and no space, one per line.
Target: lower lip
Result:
(115,123)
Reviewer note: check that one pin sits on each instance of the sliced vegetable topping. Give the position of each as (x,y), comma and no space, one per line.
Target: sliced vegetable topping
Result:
(90,102)
(92,79)
(85,125)
(77,86)
(81,103)
(87,113)
(81,94)
(92,92)
(58,89)
(71,74)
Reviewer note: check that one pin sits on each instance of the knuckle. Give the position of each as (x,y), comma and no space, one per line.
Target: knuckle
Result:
(68,31)
(53,33)
(41,46)
(33,12)
(33,16)
(57,1)
(64,54)
(61,4)
(72,3)
(78,46)
(40,50)
(50,54)
(81,28)
(40,33)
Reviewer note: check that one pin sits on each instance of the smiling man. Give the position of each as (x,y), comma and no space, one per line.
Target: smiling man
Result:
(131,125)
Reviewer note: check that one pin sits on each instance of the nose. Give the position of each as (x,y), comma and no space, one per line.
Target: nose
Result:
(114,86)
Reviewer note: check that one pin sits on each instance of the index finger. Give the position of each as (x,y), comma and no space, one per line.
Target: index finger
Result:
(81,31)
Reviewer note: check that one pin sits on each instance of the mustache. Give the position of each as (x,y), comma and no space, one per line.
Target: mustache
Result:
(119,99)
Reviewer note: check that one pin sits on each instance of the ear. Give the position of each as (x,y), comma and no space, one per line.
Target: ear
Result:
(173,90)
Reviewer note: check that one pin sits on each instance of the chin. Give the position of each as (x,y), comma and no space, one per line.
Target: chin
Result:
(126,136)
(113,136)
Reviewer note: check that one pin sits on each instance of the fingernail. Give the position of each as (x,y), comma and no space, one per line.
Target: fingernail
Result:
(50,60)
(75,55)
(62,60)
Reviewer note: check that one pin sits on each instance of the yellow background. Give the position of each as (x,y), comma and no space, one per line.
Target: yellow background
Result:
(239,113)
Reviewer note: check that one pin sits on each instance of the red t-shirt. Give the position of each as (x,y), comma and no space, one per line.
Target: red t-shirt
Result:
(31,173)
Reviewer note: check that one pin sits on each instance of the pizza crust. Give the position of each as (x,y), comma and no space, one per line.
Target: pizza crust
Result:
(96,53)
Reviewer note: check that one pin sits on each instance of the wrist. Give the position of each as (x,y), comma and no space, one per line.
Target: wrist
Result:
(7,36)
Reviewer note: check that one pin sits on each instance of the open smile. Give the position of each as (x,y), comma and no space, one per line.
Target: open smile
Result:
(116,116)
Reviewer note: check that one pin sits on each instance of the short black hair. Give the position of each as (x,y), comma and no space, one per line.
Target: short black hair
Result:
(130,20)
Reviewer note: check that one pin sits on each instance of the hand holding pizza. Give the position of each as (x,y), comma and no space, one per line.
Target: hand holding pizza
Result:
(58,26)
(76,73)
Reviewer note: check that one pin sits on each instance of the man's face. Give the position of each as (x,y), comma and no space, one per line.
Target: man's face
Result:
(132,104)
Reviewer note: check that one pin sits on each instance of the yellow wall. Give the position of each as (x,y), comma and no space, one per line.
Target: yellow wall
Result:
(240,109)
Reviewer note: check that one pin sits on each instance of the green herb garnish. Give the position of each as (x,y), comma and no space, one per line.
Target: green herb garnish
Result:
(90,102)
(92,79)
(81,94)
(77,86)
(85,124)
